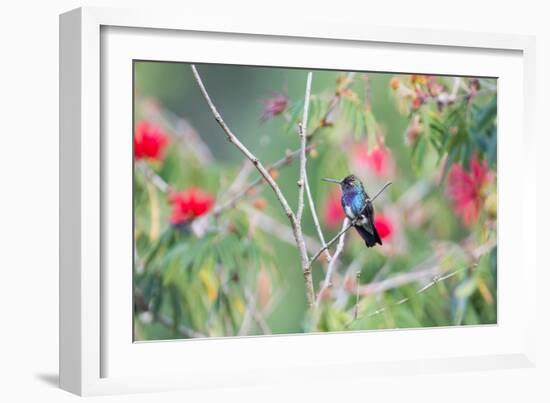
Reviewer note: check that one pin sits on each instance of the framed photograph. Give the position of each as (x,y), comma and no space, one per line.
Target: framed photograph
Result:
(243,203)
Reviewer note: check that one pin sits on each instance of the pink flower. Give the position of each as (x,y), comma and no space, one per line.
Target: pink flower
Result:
(274,106)
(464,189)
(189,204)
(378,160)
(333,212)
(384,226)
(149,141)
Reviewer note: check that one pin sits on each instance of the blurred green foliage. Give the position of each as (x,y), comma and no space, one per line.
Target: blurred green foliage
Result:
(235,277)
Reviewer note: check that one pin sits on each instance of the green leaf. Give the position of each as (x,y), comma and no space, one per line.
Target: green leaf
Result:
(419,151)
(466,288)
(487,115)
(225,255)
(176,308)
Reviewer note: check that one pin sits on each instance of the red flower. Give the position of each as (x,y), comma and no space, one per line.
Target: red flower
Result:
(274,106)
(149,141)
(416,102)
(333,212)
(464,189)
(383,225)
(378,160)
(189,204)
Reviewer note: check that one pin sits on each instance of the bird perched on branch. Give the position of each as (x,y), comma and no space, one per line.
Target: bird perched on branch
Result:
(358,208)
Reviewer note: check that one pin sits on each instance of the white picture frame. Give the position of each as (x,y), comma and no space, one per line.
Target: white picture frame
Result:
(96,354)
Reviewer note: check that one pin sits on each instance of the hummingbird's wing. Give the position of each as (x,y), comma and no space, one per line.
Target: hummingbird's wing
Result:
(369,234)
(367,229)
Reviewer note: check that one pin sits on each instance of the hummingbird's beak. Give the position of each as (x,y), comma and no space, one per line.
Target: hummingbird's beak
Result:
(332,180)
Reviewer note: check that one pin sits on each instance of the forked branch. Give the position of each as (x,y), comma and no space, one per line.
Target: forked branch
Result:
(293,218)
(332,263)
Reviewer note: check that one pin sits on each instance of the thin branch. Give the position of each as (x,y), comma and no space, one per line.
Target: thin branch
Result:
(402,279)
(264,222)
(456,86)
(435,281)
(332,263)
(162,319)
(286,160)
(260,318)
(240,146)
(239,181)
(252,313)
(316,220)
(302,129)
(329,243)
(152,176)
(356,309)
(380,191)
(416,275)
(326,120)
(303,135)
(296,228)
(179,127)
(182,329)
(279,230)
(398,280)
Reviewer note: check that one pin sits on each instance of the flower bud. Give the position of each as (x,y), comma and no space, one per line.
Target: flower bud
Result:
(260,204)
(395,83)
(491,205)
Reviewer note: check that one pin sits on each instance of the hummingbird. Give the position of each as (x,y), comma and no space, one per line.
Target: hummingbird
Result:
(358,208)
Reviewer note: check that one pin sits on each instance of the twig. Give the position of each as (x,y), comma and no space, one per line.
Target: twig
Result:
(285,161)
(329,243)
(279,230)
(380,191)
(260,320)
(160,183)
(163,320)
(332,263)
(405,278)
(302,131)
(402,279)
(398,280)
(333,103)
(263,171)
(456,86)
(316,220)
(240,180)
(303,135)
(411,197)
(264,222)
(356,309)
(258,316)
(180,127)
(252,313)
(241,147)
(436,279)
(182,329)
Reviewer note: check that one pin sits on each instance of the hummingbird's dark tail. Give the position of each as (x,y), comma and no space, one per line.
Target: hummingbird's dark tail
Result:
(369,234)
